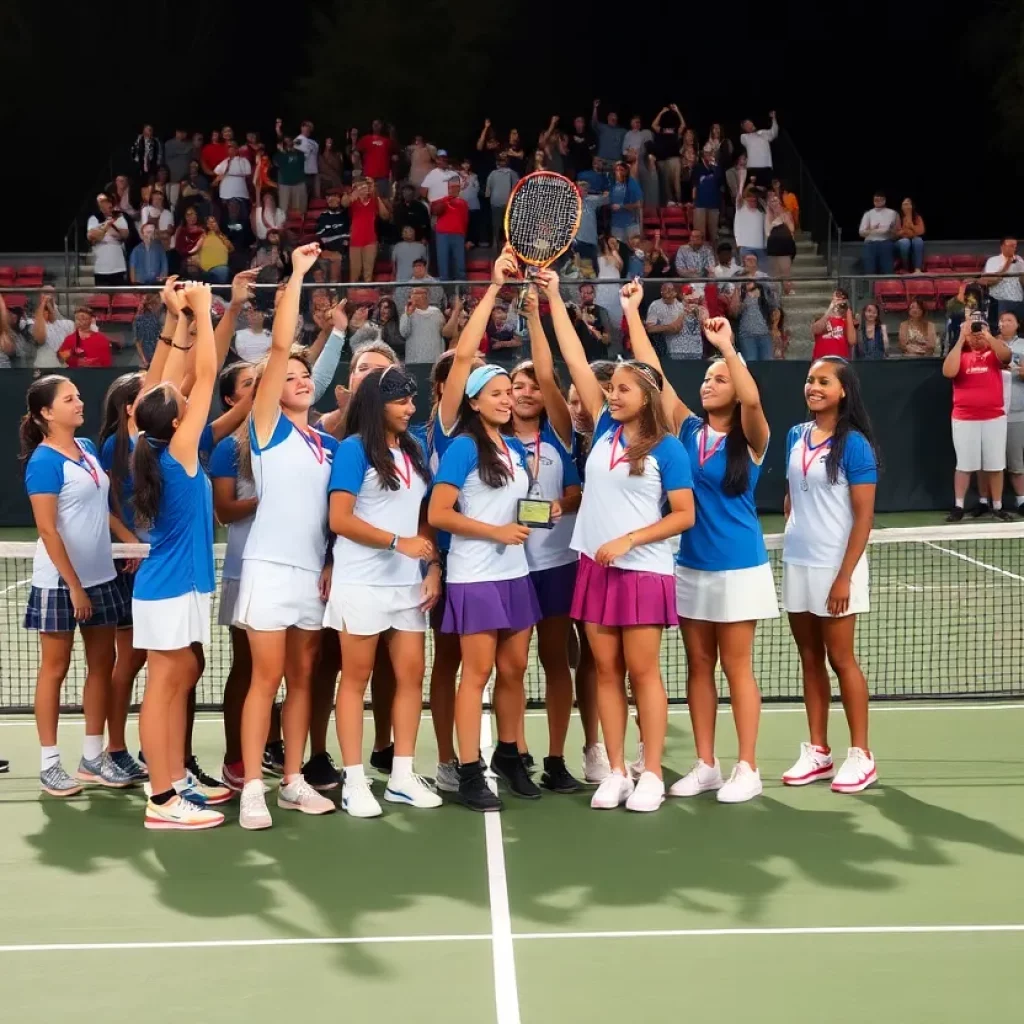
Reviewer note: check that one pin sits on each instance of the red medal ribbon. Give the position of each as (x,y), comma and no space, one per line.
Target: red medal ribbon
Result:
(506,456)
(313,442)
(702,448)
(86,463)
(405,477)
(616,460)
(805,462)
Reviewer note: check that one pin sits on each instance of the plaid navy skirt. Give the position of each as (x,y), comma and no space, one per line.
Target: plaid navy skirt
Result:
(51,611)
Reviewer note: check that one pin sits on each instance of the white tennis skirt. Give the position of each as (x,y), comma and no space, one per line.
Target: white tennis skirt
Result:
(730,595)
(805,588)
(228,602)
(171,623)
(272,597)
(367,611)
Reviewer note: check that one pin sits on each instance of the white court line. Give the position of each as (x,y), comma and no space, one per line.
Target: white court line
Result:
(506,992)
(974,561)
(15,585)
(379,940)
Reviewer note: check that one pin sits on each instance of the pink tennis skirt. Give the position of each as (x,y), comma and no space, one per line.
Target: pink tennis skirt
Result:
(622,597)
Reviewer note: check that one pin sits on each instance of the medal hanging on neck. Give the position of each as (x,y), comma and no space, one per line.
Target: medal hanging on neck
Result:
(86,463)
(806,462)
(314,444)
(703,454)
(405,477)
(616,460)
(535,492)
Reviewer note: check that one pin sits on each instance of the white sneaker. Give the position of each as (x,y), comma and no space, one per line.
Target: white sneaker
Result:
(595,764)
(299,795)
(180,815)
(411,790)
(358,800)
(701,778)
(253,813)
(857,773)
(743,785)
(639,766)
(447,776)
(812,764)
(613,792)
(648,795)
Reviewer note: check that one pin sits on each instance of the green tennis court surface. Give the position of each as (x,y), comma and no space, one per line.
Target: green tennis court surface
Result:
(904,904)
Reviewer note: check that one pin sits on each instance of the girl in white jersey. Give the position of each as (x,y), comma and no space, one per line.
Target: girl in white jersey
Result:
(624,590)
(830,502)
(74,582)
(379,592)
(279,593)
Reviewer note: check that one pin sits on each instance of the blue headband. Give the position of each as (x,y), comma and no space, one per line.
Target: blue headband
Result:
(480,376)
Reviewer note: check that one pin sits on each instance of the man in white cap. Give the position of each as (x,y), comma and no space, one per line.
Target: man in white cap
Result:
(435,184)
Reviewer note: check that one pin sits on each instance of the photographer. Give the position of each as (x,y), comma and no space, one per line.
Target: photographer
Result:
(975,366)
(834,332)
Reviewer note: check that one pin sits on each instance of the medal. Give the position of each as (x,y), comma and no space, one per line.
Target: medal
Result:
(405,477)
(806,462)
(615,460)
(702,447)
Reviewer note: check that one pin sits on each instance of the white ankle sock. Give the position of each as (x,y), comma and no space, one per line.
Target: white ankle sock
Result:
(959,502)
(180,784)
(354,773)
(92,747)
(50,757)
(983,501)
(1020,500)
(402,768)
(997,505)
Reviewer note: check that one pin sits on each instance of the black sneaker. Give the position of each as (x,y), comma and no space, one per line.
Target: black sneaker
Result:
(320,772)
(511,769)
(192,764)
(956,514)
(528,762)
(1002,515)
(5,766)
(474,792)
(383,760)
(273,759)
(556,777)
(980,510)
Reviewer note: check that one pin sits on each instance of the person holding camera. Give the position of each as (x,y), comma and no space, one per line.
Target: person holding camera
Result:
(975,366)
(834,332)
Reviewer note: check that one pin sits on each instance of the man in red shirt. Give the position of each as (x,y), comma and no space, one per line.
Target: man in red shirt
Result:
(85,347)
(452,215)
(975,366)
(364,207)
(215,150)
(378,154)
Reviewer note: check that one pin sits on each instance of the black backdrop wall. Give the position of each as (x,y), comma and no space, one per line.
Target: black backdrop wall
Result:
(909,402)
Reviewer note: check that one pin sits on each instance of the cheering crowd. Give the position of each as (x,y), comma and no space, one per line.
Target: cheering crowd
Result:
(600,517)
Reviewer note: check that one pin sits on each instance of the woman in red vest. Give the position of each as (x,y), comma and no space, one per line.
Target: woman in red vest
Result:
(834,332)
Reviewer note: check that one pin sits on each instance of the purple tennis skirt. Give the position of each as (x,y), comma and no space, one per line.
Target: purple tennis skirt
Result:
(554,589)
(622,597)
(482,607)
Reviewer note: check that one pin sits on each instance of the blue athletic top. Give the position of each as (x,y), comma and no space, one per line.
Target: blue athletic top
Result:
(435,447)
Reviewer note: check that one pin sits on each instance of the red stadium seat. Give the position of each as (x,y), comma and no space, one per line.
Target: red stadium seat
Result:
(30,277)
(673,215)
(962,263)
(922,290)
(16,302)
(946,288)
(7,275)
(100,306)
(979,262)
(936,264)
(317,205)
(478,264)
(891,296)
(363,296)
(124,307)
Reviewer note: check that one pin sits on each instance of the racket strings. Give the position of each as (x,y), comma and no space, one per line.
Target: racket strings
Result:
(543,218)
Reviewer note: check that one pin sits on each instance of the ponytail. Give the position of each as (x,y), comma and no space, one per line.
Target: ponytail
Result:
(148,480)
(31,435)
(32,430)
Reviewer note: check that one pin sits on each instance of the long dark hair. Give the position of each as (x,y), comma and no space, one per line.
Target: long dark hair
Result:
(366,418)
(438,376)
(32,430)
(121,393)
(737,456)
(652,423)
(227,381)
(155,413)
(493,471)
(853,416)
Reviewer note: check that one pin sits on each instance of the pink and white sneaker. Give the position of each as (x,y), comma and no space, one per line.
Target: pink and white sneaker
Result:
(857,773)
(233,776)
(812,765)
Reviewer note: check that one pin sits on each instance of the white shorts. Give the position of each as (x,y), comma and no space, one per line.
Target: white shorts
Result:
(731,595)
(228,603)
(273,596)
(805,588)
(171,623)
(367,611)
(980,445)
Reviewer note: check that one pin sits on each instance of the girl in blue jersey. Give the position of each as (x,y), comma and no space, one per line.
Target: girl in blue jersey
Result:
(74,582)
(174,584)
(380,593)
(830,504)
(724,582)
(624,590)
(279,593)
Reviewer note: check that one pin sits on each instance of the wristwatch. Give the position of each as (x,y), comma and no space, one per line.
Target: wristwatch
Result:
(394,543)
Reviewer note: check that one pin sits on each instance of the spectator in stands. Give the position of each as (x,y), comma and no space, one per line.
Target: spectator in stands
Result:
(378,156)
(159,217)
(331,168)
(422,157)
(497,190)
(975,366)
(696,258)
(638,138)
(48,330)
(748,227)
(878,228)
(917,332)
(107,233)
(625,200)
(593,324)
(213,152)
(500,334)
(148,261)
(667,129)
(719,145)
(1004,275)
(789,201)
(8,337)
(364,208)
(707,195)
(470,191)
(386,320)
(515,152)
(146,328)
(310,150)
(780,336)
(290,165)
(213,253)
(194,191)
(85,346)
(410,210)
(252,342)
(232,178)
(122,194)
(610,135)
(971,296)
(780,243)
(332,229)
(435,184)
(147,152)
(187,240)
(178,154)
(271,252)
(587,235)
(758,145)
(872,334)
(665,319)
(596,177)
(609,268)
(420,279)
(910,237)
(406,252)
(488,145)
(755,323)
(452,213)
(267,216)
(582,144)
(1008,334)
(689,342)
(736,183)
(834,332)
(239,233)
(726,265)
(420,326)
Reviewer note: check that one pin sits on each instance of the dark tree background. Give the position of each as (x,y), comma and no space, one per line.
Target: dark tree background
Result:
(899,95)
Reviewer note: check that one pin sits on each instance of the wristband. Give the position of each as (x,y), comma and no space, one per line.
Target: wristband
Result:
(394,543)
(180,348)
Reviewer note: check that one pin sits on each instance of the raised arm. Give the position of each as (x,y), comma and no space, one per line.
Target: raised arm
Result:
(173,301)
(752,418)
(184,444)
(591,393)
(557,408)
(180,359)
(268,397)
(241,293)
(330,355)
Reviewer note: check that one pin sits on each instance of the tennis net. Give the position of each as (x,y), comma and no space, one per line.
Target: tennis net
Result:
(946,621)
